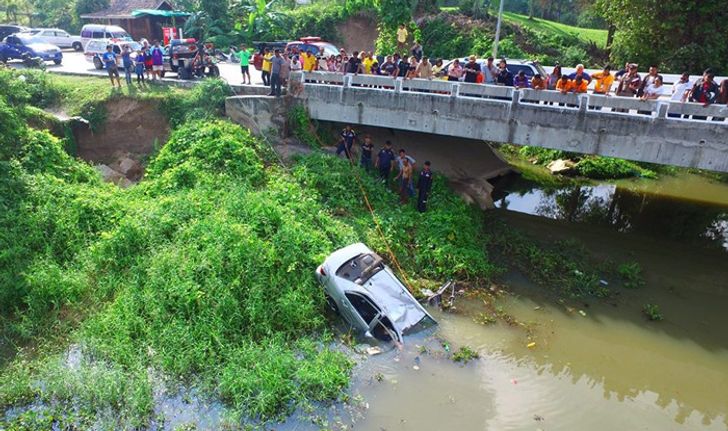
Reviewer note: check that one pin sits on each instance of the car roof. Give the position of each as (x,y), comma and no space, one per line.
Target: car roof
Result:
(383,288)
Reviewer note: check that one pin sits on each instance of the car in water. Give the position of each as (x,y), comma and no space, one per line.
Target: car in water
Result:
(96,48)
(56,36)
(18,47)
(367,294)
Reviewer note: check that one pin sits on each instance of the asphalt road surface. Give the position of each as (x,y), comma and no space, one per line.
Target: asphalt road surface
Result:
(75,62)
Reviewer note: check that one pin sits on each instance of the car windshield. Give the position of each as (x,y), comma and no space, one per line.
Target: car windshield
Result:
(361,268)
(26,39)
(329,49)
(120,35)
(134,46)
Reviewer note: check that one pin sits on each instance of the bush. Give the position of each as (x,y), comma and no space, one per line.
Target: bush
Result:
(205,101)
(610,168)
(300,125)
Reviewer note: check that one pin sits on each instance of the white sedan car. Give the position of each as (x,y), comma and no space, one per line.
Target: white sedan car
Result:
(57,37)
(368,295)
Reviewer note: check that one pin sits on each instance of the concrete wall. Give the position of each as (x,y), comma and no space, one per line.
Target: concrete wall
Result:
(261,114)
(578,128)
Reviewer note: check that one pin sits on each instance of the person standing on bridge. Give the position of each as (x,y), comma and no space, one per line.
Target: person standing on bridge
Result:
(424,69)
(424,185)
(276,64)
(705,91)
(471,70)
(157,61)
(505,77)
(455,71)
(265,68)
(490,71)
(385,162)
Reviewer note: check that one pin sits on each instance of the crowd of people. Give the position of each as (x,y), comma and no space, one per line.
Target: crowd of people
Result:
(385,163)
(626,82)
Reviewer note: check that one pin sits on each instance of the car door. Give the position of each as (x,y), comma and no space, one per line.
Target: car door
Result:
(363,311)
(62,39)
(14,47)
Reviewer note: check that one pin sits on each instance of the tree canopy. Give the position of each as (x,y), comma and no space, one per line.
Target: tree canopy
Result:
(676,35)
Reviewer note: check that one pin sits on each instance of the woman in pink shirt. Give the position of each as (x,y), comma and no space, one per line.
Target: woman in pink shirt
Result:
(455,71)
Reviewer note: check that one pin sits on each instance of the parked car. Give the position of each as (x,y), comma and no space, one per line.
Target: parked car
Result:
(95,49)
(314,45)
(514,66)
(97,31)
(17,46)
(367,294)
(179,50)
(8,29)
(56,36)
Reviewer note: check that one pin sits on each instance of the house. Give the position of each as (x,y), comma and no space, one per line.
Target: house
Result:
(141,18)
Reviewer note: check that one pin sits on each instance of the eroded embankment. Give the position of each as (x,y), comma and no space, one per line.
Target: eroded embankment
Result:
(132,131)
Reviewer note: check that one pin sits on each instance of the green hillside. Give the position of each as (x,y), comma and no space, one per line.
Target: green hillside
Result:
(596,35)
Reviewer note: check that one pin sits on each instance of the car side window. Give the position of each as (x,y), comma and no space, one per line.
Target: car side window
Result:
(86,33)
(98,35)
(362,306)
(384,330)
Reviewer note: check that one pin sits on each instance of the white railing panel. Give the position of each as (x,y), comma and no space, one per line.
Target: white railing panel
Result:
(488,91)
(372,80)
(687,108)
(323,78)
(529,95)
(428,85)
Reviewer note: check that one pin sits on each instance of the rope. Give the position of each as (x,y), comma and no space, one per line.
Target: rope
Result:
(392,256)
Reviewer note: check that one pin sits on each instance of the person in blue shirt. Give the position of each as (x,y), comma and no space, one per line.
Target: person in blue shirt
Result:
(385,162)
(140,60)
(127,63)
(109,59)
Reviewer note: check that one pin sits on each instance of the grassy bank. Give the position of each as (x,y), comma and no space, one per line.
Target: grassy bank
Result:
(597,36)
(200,275)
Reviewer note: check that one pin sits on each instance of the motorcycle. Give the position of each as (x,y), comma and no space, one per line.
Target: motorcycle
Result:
(33,62)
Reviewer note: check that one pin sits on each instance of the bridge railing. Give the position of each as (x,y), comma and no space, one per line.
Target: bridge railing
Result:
(546,98)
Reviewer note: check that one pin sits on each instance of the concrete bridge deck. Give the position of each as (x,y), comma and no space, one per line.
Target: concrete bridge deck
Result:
(626,128)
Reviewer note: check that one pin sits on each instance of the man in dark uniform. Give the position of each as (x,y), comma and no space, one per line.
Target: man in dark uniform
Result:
(366,153)
(424,185)
(384,162)
(347,141)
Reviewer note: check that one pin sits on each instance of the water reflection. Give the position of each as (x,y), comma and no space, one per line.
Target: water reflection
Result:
(621,208)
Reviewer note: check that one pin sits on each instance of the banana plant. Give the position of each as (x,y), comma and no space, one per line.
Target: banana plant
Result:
(259,17)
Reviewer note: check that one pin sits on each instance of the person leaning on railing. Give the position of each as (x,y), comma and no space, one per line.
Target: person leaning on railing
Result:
(603,83)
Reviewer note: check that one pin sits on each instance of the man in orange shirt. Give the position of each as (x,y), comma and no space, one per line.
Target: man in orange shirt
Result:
(603,81)
(577,86)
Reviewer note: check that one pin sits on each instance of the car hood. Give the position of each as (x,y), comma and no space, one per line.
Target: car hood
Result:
(43,47)
(395,301)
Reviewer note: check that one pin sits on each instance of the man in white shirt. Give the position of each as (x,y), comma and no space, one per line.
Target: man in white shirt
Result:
(680,91)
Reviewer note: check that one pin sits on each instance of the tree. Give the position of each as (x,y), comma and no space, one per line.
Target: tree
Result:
(258,18)
(677,35)
(89,6)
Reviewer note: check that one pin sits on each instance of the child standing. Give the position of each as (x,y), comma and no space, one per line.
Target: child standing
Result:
(141,59)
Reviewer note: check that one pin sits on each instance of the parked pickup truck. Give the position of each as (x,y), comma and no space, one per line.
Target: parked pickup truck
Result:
(15,47)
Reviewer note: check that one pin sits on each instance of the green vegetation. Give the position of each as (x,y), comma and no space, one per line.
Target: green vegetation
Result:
(564,267)
(599,37)
(199,275)
(465,354)
(594,167)
(652,311)
(631,274)
(300,126)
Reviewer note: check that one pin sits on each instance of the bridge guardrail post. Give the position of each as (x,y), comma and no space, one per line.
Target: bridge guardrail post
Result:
(515,98)
(397,85)
(455,91)
(662,109)
(347,81)
(583,103)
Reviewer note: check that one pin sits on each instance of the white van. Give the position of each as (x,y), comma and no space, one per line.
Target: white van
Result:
(99,31)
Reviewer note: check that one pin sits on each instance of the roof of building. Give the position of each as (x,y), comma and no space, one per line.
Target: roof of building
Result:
(124,8)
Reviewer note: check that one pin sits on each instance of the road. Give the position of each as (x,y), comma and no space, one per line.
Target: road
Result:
(75,62)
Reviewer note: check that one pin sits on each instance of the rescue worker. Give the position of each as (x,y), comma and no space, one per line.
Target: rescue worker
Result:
(348,136)
(385,161)
(424,185)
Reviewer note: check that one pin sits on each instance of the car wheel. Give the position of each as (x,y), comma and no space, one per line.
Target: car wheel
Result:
(77,46)
(57,61)
(97,63)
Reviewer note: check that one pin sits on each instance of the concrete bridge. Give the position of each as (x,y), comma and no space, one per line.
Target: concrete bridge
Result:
(611,126)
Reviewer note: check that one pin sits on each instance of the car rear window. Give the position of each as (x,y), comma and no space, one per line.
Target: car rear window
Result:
(360,268)
(515,68)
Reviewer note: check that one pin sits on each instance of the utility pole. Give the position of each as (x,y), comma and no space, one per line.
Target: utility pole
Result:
(497,29)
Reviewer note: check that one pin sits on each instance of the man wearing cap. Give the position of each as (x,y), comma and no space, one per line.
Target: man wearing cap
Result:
(471,69)
(629,83)
(424,185)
